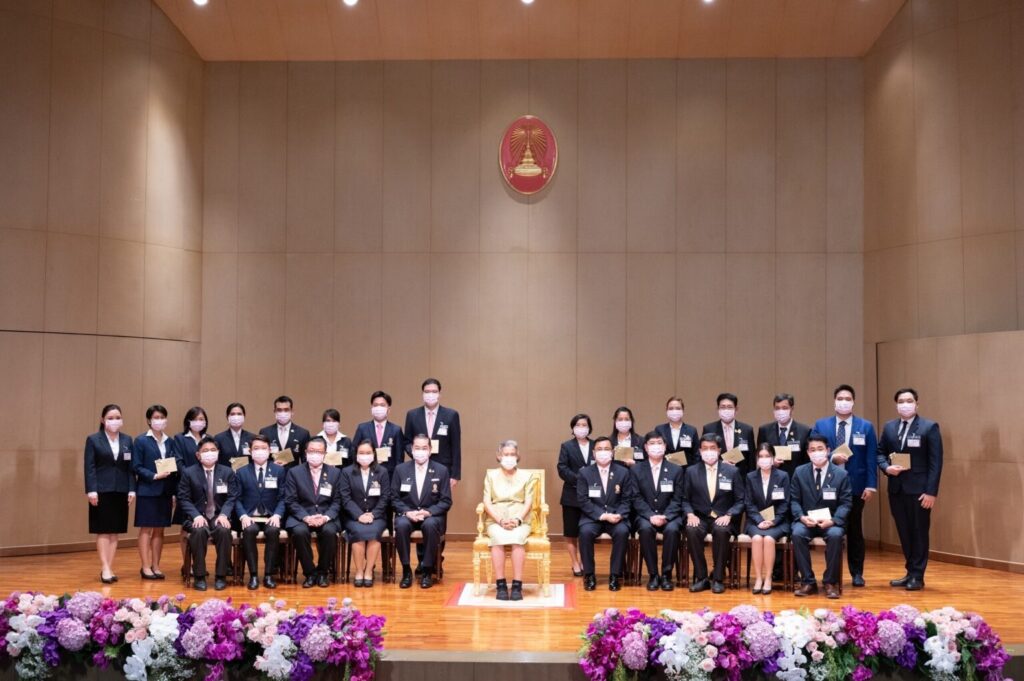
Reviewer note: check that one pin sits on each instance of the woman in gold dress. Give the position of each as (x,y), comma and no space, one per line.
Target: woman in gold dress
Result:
(508,499)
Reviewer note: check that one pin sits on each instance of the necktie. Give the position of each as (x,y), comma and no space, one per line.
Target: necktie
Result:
(430,423)
(316,482)
(712,478)
(656,471)
(259,477)
(903,435)
(783,436)
(211,506)
(259,483)
(380,434)
(841,436)
(817,478)
(729,433)
(604,479)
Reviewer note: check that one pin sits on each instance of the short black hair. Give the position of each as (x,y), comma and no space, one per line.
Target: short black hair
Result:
(156,409)
(727,396)
(711,437)
(420,436)
(844,386)
(431,381)
(207,440)
(653,435)
(896,397)
(227,412)
(284,399)
(331,414)
(575,420)
(602,438)
(191,415)
(259,438)
(815,436)
(380,393)
(765,447)
(784,397)
(317,438)
(675,399)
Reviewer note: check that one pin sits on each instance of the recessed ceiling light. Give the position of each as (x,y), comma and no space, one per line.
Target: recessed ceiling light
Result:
(708,2)
(527,2)
(350,3)
(200,3)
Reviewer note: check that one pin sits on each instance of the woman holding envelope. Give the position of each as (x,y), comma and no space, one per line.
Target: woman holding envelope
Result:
(767,498)
(155,464)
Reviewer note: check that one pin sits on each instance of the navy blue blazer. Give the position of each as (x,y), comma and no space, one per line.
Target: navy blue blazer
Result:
(297,439)
(925,459)
(357,500)
(144,459)
(728,502)
(803,496)
(636,441)
(437,489)
(302,500)
(449,445)
(226,444)
(744,436)
(666,499)
(393,437)
(778,481)
(798,435)
(570,461)
(192,491)
(617,498)
(685,430)
(860,467)
(187,449)
(103,471)
(247,496)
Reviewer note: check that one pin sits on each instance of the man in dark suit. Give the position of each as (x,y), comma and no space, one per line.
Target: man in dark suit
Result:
(731,433)
(235,440)
(657,507)
(442,426)
(313,502)
(785,432)
(421,495)
(257,500)
(203,493)
(815,486)
(387,437)
(284,434)
(859,435)
(678,436)
(712,501)
(912,492)
(604,492)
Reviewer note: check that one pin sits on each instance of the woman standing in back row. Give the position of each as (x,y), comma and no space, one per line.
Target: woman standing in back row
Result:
(109,486)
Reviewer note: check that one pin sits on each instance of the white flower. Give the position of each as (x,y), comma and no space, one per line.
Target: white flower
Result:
(164,627)
(275,662)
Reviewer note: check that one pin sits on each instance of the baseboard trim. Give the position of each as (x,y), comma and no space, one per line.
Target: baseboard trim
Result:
(969,561)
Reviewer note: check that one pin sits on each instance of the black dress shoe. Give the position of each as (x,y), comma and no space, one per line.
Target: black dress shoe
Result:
(323,582)
(717,588)
(589,583)
(150,577)
(666,582)
(426,581)
(502,594)
(199,584)
(309,582)
(517,590)
(577,573)
(699,585)
(419,570)
(901,582)
(915,584)
(613,583)
(858,580)
(106,580)
(358,582)
(159,575)
(254,583)
(654,583)
(269,583)
(219,584)
(406,578)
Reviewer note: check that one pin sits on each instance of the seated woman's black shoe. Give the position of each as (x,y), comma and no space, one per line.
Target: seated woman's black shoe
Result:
(577,573)
(106,580)
(517,590)
(502,590)
(149,577)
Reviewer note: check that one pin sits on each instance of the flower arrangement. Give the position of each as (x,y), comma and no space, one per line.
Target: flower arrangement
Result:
(161,639)
(791,645)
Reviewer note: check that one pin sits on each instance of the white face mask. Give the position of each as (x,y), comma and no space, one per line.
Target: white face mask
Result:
(844,407)
(906,409)
(208,458)
(727,415)
(364,460)
(260,455)
(674,415)
(283,417)
(708,456)
(603,457)
(114,425)
(656,451)
(623,426)
(379,413)
(315,459)
(431,399)
(764,463)
(420,456)
(197,426)
(509,462)
(331,427)
(581,432)
(236,421)
(158,425)
(818,458)
(783,415)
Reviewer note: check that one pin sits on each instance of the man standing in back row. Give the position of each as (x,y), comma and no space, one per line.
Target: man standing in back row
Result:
(442,425)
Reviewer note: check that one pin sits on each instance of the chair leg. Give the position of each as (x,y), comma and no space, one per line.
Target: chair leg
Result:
(545,567)
(476,574)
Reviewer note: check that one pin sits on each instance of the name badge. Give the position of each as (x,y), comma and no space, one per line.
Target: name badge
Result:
(744,447)
(127,455)
(344,452)
(274,448)
(912,441)
(325,489)
(442,430)
(269,482)
(859,439)
(373,492)
(778,495)
(686,441)
(595,493)
(435,446)
(638,455)
(794,446)
(725,485)
(245,448)
(406,487)
(667,486)
(222,488)
(828,494)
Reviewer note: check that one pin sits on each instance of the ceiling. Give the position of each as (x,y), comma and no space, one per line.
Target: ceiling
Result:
(327,30)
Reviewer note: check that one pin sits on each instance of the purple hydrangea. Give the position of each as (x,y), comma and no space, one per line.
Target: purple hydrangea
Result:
(862,673)
(72,634)
(761,640)
(891,638)
(84,604)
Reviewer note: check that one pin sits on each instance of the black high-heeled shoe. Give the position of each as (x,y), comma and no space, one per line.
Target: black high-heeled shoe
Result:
(150,578)
(577,573)
(106,580)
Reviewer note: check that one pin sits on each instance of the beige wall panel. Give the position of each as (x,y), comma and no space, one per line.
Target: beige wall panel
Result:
(601,337)
(454,155)
(168,176)
(700,156)
(989,283)
(406,337)
(1019,240)
(406,157)
(121,288)
(192,296)
(602,158)
(309,342)
(702,325)
(650,156)
(262,140)
(654,28)
(895,306)
(800,326)
(21,361)
(876,514)
(358,138)
(969,10)
(165,292)
(221,130)
(192,167)
(998,365)
(750,156)
(940,282)
(360,322)
(87,13)
(960,399)
(844,332)
(219,364)
(22,277)
(68,386)
(15,468)
(75,127)
(900,28)
(650,335)
(554,97)
(929,15)
(1017,40)
(750,353)
(845,153)
(165,380)
(261,334)
(72,263)
(311,157)
(801,156)
(127,18)
(120,372)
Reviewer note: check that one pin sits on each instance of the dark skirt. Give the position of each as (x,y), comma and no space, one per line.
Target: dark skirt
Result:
(777,532)
(110,515)
(153,511)
(357,531)
(571,521)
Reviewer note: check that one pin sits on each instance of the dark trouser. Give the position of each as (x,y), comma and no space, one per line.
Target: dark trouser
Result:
(199,539)
(648,534)
(855,537)
(590,531)
(326,545)
(432,529)
(912,524)
(272,537)
(719,548)
(802,536)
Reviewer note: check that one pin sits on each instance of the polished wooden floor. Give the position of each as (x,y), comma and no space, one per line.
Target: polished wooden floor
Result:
(420,619)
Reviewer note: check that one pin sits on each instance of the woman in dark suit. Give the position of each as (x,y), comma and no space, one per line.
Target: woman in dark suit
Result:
(573,455)
(193,429)
(155,490)
(624,434)
(364,502)
(337,441)
(109,486)
(766,486)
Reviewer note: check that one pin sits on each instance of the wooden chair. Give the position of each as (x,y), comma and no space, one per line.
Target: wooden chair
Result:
(284,564)
(818,543)
(186,565)
(386,559)
(783,547)
(634,561)
(538,545)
